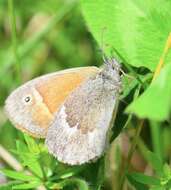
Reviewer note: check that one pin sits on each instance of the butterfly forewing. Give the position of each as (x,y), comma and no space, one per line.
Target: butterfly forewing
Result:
(32,106)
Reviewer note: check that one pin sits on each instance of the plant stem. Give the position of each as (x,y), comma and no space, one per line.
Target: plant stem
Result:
(138,131)
(134,143)
(14,40)
(156,138)
(101,173)
(9,159)
(136,94)
(163,56)
(130,153)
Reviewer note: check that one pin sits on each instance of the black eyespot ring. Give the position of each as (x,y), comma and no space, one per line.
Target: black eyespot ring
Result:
(27,99)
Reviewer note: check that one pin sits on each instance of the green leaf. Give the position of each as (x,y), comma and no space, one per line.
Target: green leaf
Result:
(8,186)
(155,162)
(32,146)
(35,167)
(29,159)
(30,185)
(156,138)
(167,171)
(148,180)
(18,175)
(80,183)
(69,172)
(155,102)
(137,30)
(128,85)
(157,188)
(136,184)
(21,147)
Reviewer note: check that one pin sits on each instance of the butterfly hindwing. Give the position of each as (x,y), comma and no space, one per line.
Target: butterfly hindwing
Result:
(79,131)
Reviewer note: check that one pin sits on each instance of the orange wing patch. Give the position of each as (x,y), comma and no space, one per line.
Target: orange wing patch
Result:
(41,115)
(56,88)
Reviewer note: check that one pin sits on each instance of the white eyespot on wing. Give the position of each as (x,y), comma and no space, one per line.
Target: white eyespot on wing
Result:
(79,131)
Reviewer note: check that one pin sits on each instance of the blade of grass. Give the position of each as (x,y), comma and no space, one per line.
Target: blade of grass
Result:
(14,40)
(156,138)
(31,43)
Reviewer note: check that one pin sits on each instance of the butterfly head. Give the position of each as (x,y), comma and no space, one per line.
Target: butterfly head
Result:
(111,71)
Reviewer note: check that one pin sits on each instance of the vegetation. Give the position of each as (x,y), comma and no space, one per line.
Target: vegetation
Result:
(38,37)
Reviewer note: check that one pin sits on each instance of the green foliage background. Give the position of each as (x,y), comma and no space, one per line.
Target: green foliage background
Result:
(51,36)
(54,35)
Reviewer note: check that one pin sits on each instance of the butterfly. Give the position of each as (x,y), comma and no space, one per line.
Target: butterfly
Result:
(72,109)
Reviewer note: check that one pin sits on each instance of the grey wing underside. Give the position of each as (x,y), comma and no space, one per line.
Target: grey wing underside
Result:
(79,132)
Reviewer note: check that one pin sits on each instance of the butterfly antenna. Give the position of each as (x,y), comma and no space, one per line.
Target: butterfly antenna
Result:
(109,61)
(103,46)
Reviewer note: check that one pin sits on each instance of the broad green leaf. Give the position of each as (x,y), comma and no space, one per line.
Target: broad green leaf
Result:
(138,30)
(30,185)
(155,102)
(148,180)
(18,175)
